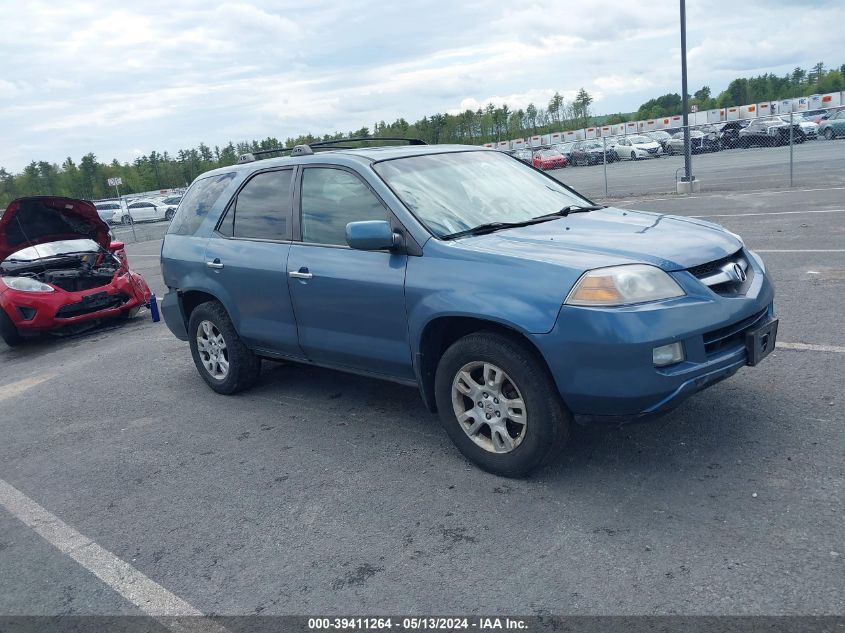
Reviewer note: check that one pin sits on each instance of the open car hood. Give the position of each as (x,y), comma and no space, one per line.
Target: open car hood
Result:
(41,219)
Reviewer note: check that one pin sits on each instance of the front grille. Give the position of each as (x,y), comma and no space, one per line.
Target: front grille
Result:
(92,303)
(713,276)
(704,270)
(731,335)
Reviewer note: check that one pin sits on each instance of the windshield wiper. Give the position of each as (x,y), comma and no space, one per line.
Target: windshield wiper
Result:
(570,208)
(490,227)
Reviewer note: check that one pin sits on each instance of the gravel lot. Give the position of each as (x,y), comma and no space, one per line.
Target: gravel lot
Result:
(324,493)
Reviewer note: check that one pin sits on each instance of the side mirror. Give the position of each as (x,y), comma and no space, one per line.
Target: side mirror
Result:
(373,235)
(116,246)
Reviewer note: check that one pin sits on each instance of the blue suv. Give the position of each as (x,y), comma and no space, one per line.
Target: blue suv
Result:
(514,304)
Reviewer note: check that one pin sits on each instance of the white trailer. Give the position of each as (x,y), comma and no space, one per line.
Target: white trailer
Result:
(748,111)
(765,109)
(832,100)
(714,116)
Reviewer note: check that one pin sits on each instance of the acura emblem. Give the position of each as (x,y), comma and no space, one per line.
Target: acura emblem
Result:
(735,271)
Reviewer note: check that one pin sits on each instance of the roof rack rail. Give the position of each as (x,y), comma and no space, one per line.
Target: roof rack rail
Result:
(368,139)
(306,150)
(297,150)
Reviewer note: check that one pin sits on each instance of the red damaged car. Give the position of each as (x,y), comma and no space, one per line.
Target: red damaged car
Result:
(59,269)
(549,159)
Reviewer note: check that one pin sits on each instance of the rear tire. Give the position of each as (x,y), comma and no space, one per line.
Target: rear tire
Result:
(8,332)
(224,362)
(485,366)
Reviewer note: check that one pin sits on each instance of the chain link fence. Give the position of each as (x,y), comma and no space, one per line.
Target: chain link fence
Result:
(774,152)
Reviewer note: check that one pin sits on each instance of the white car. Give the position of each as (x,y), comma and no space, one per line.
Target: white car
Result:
(144,211)
(638,146)
(110,211)
(810,129)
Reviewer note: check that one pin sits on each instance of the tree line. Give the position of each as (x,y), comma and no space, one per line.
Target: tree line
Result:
(742,91)
(162,170)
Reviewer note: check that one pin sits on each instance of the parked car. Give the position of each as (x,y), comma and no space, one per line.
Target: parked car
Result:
(834,126)
(770,132)
(171,202)
(549,159)
(565,149)
(661,136)
(638,146)
(592,153)
(815,115)
(148,210)
(809,128)
(513,303)
(700,141)
(107,209)
(59,269)
(727,133)
(524,154)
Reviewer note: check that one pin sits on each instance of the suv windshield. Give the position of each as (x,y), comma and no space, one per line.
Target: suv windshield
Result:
(455,192)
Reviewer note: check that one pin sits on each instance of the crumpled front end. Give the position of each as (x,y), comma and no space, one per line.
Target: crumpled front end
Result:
(36,312)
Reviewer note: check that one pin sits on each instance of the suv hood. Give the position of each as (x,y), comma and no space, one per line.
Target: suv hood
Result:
(614,236)
(38,220)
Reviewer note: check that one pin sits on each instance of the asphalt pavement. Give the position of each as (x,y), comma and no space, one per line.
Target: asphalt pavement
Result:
(319,492)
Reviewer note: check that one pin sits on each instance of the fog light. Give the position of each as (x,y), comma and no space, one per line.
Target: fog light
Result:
(668,354)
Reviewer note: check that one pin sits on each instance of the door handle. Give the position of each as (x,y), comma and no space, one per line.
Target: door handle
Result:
(302,273)
(216,263)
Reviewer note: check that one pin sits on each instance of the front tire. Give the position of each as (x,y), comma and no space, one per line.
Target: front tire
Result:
(224,362)
(633,156)
(499,405)
(828,134)
(8,332)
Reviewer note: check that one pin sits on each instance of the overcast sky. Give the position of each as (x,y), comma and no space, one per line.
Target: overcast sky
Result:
(121,79)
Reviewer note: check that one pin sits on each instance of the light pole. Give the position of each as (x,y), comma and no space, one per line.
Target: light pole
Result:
(688,177)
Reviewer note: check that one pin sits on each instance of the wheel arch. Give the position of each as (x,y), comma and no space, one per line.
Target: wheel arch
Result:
(441,331)
(190,299)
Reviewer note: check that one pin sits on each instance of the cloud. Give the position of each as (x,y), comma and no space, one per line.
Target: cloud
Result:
(118,78)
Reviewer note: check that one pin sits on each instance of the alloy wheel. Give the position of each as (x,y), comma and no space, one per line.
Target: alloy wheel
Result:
(212,350)
(489,407)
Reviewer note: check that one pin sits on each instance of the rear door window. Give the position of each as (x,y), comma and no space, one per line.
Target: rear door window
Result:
(198,201)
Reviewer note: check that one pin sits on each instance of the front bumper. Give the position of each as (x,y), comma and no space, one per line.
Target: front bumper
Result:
(34,312)
(601,358)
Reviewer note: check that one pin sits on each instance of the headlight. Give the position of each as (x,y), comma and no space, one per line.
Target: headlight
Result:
(26,284)
(623,285)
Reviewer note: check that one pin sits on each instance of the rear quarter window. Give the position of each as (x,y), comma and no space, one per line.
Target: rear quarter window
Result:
(197,202)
